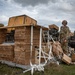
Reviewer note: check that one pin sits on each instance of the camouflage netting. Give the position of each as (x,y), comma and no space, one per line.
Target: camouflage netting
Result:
(1,25)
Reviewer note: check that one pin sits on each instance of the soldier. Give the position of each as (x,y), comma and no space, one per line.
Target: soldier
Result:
(64,34)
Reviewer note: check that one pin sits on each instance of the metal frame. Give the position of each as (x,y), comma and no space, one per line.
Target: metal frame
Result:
(40,45)
(47,56)
(31,44)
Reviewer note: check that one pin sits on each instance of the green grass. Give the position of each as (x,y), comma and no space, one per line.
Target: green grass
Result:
(50,69)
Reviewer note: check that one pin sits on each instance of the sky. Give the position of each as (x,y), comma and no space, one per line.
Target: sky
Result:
(46,12)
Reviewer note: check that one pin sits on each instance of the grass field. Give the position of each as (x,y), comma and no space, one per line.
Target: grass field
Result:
(51,69)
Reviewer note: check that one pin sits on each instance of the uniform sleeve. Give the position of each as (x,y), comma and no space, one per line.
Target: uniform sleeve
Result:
(61,30)
(69,30)
(61,33)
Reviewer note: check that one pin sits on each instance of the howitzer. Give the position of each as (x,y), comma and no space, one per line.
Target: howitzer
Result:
(71,41)
(53,31)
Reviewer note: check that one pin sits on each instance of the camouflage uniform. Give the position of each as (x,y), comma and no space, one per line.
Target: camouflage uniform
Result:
(64,34)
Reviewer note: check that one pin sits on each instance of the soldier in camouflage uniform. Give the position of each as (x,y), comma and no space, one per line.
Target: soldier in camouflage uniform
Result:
(64,34)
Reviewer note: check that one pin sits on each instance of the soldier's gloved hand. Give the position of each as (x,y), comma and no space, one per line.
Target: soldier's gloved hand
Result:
(65,40)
